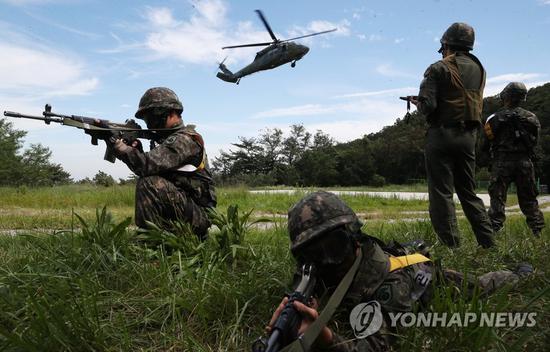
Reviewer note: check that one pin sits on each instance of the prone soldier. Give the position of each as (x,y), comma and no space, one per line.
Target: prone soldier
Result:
(354,269)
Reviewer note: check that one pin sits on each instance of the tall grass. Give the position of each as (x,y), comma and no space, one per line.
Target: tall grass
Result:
(67,197)
(108,288)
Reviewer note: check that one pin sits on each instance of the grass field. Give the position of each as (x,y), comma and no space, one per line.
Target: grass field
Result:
(105,287)
(52,207)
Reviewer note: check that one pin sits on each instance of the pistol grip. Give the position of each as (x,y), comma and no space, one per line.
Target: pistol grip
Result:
(109,155)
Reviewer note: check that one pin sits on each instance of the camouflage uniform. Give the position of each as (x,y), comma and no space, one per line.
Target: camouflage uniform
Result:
(174,182)
(451,98)
(396,291)
(512,134)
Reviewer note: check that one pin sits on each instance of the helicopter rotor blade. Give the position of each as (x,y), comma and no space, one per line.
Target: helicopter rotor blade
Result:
(309,35)
(220,64)
(247,45)
(267,26)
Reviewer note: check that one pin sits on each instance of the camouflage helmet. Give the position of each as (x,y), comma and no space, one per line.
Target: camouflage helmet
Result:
(158,97)
(317,214)
(459,35)
(515,90)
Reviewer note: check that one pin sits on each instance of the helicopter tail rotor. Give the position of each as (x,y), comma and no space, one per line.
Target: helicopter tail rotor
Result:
(226,74)
(221,65)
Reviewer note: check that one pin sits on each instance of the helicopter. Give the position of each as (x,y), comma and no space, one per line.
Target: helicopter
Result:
(277,52)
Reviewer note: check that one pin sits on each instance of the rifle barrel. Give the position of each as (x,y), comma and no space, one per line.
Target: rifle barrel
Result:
(23,116)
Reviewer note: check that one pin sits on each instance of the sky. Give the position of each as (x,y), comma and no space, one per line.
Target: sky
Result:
(97,58)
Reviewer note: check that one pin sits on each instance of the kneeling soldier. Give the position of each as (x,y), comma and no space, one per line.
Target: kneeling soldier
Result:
(174,182)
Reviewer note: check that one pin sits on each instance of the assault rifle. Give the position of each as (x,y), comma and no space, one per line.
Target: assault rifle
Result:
(285,328)
(408,98)
(97,128)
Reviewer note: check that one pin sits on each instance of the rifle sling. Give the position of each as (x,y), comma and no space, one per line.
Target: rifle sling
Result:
(305,341)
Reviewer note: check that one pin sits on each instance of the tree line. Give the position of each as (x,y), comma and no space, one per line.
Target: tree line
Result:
(393,155)
(33,166)
(299,157)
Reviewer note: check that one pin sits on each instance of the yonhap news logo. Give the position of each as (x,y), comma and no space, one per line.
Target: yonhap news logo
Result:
(367,319)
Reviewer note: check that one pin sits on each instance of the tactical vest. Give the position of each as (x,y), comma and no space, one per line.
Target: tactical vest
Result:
(196,180)
(455,103)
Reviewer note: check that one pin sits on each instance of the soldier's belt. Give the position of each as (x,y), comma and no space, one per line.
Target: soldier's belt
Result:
(406,260)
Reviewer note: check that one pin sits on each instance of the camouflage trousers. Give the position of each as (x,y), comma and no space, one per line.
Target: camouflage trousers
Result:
(522,173)
(450,166)
(159,201)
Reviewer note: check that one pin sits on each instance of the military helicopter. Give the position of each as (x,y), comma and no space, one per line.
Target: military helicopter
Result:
(277,53)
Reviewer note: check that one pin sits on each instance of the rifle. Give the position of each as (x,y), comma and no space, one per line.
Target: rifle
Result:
(285,329)
(96,128)
(408,98)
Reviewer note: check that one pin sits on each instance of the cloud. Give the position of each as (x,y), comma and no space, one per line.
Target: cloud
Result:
(199,39)
(398,40)
(301,110)
(362,116)
(375,37)
(389,71)
(161,17)
(361,106)
(495,84)
(544,2)
(394,91)
(342,27)
(50,23)
(32,74)
(509,77)
(342,30)
(29,71)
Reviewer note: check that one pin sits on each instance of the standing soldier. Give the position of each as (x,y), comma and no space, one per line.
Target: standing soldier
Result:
(451,98)
(513,133)
(174,182)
